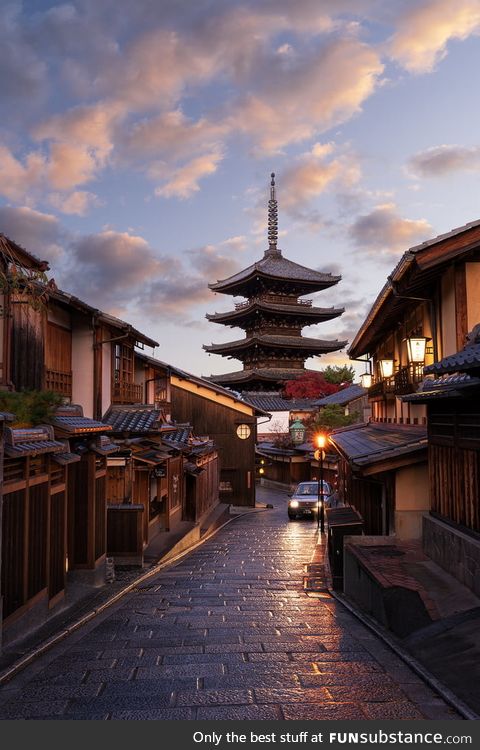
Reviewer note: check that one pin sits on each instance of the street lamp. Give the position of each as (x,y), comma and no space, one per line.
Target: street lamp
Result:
(297,432)
(386,368)
(416,346)
(321,441)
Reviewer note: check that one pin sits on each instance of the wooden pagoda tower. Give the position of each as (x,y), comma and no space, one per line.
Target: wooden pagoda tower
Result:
(272,317)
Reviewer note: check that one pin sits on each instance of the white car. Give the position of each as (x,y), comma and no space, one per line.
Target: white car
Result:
(304,501)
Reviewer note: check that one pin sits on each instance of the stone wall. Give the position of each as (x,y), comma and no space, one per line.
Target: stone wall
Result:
(454,551)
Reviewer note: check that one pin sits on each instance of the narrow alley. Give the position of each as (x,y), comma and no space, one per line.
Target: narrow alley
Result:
(228,633)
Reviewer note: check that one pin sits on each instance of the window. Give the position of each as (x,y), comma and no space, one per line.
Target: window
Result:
(243,431)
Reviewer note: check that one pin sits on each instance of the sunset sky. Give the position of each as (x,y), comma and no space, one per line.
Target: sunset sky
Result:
(137,140)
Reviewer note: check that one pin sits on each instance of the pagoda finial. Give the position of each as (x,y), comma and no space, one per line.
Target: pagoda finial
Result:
(272,220)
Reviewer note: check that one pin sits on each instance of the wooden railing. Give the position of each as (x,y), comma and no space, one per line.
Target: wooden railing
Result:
(58,381)
(127,393)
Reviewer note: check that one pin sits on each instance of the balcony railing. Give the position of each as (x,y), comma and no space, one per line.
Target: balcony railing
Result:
(127,393)
(58,381)
(381,388)
(407,379)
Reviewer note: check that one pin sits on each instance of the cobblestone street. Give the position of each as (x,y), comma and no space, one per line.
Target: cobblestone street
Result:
(229,633)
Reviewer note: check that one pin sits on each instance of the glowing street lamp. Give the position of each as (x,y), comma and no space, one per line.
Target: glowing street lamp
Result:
(321,442)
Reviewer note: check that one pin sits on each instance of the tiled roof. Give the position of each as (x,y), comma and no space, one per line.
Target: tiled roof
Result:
(133,419)
(31,441)
(178,437)
(17,253)
(275,402)
(462,361)
(293,310)
(448,386)
(278,267)
(69,420)
(293,342)
(369,443)
(268,374)
(343,397)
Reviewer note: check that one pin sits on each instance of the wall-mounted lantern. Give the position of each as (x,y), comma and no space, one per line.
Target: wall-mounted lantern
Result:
(386,368)
(416,346)
(297,432)
(366,380)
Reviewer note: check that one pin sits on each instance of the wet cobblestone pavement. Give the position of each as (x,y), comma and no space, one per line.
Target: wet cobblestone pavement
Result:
(229,633)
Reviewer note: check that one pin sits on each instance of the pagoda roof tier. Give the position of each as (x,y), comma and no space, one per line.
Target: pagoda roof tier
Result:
(274,268)
(303,311)
(266,341)
(263,374)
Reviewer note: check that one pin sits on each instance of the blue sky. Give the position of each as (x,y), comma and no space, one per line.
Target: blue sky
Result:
(137,140)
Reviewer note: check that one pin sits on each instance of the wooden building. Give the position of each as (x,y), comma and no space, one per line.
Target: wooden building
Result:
(422,314)
(222,415)
(451,394)
(272,317)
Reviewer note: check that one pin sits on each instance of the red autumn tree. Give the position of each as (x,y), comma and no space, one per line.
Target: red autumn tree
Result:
(310,385)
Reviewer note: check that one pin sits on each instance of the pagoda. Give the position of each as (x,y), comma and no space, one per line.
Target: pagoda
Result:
(272,317)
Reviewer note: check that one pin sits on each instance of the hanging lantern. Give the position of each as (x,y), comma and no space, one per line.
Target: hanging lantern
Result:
(386,368)
(366,380)
(416,346)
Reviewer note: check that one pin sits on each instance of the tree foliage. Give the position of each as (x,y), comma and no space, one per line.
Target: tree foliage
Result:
(309,385)
(332,417)
(339,375)
(30,407)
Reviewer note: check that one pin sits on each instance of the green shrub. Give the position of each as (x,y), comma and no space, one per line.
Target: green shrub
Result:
(30,407)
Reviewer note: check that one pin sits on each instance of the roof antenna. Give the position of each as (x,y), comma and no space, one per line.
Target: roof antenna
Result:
(272,220)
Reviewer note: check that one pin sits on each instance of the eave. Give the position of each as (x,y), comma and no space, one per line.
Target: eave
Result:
(295,343)
(306,314)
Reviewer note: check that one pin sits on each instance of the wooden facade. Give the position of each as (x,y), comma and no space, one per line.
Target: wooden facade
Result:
(220,417)
(454,461)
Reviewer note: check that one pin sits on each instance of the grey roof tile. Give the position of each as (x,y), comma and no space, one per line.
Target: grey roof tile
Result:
(370,443)
(344,396)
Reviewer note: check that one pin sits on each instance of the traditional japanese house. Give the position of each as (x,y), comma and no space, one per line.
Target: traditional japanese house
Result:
(86,490)
(222,415)
(272,317)
(34,526)
(451,394)
(421,315)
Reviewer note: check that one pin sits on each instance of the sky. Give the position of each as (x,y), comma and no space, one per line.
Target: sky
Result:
(137,141)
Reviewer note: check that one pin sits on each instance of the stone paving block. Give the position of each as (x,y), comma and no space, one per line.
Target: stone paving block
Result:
(392,711)
(322,712)
(212,658)
(239,713)
(229,682)
(116,674)
(214,697)
(294,647)
(216,648)
(363,694)
(21,709)
(162,714)
(291,695)
(119,702)
(270,658)
(179,670)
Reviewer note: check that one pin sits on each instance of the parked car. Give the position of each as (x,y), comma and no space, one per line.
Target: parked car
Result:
(304,501)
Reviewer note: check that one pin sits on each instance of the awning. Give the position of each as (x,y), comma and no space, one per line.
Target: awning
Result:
(104,446)
(375,445)
(66,458)
(193,469)
(30,441)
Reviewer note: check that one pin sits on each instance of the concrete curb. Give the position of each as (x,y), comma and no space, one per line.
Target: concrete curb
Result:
(395,646)
(26,660)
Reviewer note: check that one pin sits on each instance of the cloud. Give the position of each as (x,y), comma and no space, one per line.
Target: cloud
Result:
(79,202)
(321,90)
(423,32)
(22,71)
(444,160)
(38,232)
(384,232)
(20,180)
(183,181)
(110,268)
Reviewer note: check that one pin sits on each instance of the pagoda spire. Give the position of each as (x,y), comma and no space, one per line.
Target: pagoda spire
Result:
(272,220)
